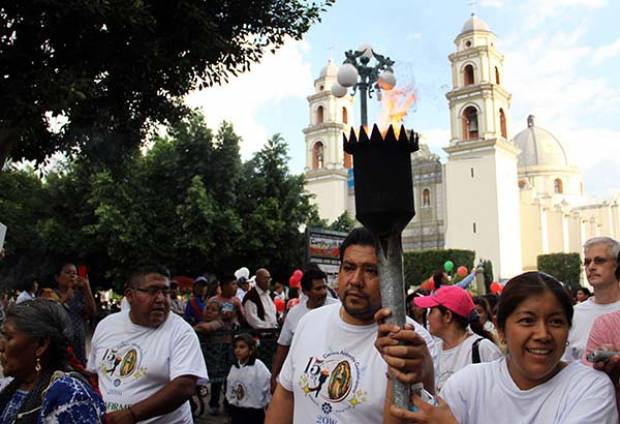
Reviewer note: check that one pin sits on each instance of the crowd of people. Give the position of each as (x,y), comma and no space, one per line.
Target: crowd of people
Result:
(531,353)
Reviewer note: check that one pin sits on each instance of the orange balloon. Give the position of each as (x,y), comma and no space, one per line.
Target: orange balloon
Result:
(462,271)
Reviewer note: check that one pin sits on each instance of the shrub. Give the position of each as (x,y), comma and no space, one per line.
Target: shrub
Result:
(566,267)
(421,264)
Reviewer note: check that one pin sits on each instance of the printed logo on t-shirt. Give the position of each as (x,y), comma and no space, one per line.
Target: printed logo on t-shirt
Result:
(238,391)
(332,382)
(122,362)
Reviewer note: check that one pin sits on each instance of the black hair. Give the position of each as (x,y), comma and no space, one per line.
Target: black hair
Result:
(227,278)
(410,300)
(473,321)
(523,286)
(250,342)
(137,277)
(62,265)
(585,291)
(309,276)
(39,319)
(438,278)
(484,304)
(28,283)
(361,236)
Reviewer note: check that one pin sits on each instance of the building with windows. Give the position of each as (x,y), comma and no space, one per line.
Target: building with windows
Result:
(507,198)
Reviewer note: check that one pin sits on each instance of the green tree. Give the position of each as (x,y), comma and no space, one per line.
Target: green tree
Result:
(343,223)
(274,206)
(114,67)
(566,267)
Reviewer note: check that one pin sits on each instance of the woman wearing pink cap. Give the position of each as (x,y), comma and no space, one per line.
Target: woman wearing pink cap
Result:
(452,314)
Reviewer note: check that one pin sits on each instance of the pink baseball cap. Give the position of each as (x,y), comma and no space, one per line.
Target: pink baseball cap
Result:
(453,298)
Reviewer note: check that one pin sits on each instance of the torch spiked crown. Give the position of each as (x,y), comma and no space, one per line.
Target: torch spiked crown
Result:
(383,182)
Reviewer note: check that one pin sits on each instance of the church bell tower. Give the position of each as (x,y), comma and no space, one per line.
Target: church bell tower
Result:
(327,165)
(481,172)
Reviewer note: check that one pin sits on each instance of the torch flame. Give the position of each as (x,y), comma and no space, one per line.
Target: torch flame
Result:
(395,106)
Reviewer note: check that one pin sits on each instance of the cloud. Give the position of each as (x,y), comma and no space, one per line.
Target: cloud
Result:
(493,3)
(436,139)
(281,75)
(606,52)
(539,11)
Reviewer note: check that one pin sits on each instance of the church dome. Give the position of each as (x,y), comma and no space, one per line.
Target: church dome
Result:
(539,147)
(329,70)
(475,24)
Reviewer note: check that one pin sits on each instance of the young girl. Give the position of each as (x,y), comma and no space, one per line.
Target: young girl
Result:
(532,384)
(452,313)
(248,384)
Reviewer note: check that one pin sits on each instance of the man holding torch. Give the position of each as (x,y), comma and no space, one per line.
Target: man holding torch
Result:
(334,373)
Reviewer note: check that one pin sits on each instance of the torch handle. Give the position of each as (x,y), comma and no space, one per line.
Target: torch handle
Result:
(390,267)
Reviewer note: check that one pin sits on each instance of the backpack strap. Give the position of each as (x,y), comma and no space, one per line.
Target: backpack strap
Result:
(475,351)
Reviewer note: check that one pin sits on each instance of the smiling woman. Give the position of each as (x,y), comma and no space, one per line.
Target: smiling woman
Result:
(534,317)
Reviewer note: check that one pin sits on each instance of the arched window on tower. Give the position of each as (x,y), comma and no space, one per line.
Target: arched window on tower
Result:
(496,75)
(345,116)
(558,186)
(317,155)
(319,115)
(502,123)
(470,123)
(468,75)
(426,198)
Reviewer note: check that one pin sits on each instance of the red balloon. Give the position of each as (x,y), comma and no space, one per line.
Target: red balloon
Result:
(428,284)
(496,288)
(294,282)
(462,271)
(298,273)
(279,304)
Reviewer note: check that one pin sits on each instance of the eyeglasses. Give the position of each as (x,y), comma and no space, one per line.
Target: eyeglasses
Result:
(154,291)
(598,260)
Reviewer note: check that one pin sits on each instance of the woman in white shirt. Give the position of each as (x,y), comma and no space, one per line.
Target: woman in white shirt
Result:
(532,384)
(452,315)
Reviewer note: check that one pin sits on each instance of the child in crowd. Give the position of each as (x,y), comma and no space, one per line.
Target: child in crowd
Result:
(452,314)
(248,384)
(486,316)
(531,384)
(212,320)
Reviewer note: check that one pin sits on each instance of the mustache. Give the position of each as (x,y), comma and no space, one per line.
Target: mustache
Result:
(355,292)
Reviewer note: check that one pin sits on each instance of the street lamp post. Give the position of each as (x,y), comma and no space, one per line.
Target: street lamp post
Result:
(383,182)
(358,72)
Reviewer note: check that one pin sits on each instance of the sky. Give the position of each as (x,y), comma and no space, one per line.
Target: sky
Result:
(562,62)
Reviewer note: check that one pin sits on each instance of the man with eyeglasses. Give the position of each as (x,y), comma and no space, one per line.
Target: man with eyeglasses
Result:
(148,360)
(260,311)
(601,267)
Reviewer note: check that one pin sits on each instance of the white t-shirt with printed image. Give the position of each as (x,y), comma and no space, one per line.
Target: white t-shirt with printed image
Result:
(453,359)
(334,370)
(485,393)
(249,386)
(133,362)
(293,317)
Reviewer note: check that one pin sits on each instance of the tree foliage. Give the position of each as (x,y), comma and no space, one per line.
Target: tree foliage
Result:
(112,67)
(189,203)
(566,267)
(420,265)
(343,223)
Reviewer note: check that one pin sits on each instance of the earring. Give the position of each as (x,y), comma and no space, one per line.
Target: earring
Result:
(38,367)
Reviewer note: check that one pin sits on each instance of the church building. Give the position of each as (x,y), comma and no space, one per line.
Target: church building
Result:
(507,198)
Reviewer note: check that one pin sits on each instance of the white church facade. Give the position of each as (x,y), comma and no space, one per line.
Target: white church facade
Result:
(508,199)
